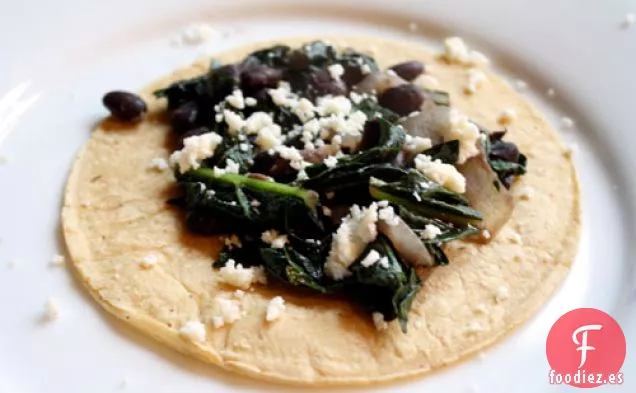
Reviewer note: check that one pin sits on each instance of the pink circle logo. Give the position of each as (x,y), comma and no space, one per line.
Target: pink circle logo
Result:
(586,348)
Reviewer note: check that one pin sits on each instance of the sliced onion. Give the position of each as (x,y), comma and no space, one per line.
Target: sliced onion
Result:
(432,122)
(377,82)
(407,243)
(495,205)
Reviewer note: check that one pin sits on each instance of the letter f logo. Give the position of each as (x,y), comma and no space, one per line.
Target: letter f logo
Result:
(584,347)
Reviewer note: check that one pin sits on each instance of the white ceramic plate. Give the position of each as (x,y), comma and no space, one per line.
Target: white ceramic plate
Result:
(59,57)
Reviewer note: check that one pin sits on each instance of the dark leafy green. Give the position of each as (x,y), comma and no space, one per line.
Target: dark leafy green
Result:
(447,152)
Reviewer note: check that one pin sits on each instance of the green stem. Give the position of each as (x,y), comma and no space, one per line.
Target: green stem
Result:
(207,175)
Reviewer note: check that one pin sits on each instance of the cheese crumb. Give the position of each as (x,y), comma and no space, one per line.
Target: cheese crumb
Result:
(236,99)
(330,161)
(443,174)
(456,51)
(384,262)
(197,33)
(356,230)
(501,294)
(326,211)
(159,164)
(486,234)
(387,214)
(370,259)
(148,261)
(226,311)
(58,260)
(467,132)
(51,310)
(379,322)
(417,144)
(233,120)
(476,79)
(250,101)
(193,331)
(236,275)
(474,327)
(275,309)
(525,193)
(366,69)
(507,116)
(567,122)
(336,71)
(516,238)
(430,232)
(195,149)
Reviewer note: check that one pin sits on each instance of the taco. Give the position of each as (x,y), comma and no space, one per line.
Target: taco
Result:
(325,212)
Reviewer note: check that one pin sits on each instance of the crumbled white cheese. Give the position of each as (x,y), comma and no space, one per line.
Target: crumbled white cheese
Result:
(628,20)
(462,129)
(275,309)
(356,230)
(238,276)
(218,117)
(567,122)
(148,261)
(236,99)
(474,327)
(387,214)
(231,166)
(302,175)
(244,147)
(445,175)
(334,105)
(256,121)
(516,238)
(197,33)
(51,310)
(525,193)
(370,259)
(269,137)
(294,156)
(456,51)
(195,149)
(282,95)
(58,260)
(366,69)
(304,109)
(326,211)
(426,81)
(507,116)
(233,120)
(520,84)
(501,294)
(430,232)
(273,238)
(476,79)
(417,144)
(550,92)
(336,71)
(255,203)
(384,262)
(225,311)
(486,234)
(330,161)
(250,101)
(193,331)
(159,164)
(379,322)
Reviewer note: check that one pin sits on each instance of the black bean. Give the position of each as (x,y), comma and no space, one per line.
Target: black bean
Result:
(298,60)
(352,75)
(124,105)
(260,77)
(371,136)
(506,151)
(402,99)
(409,70)
(321,83)
(184,118)
(223,80)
